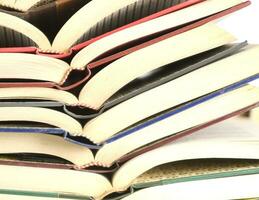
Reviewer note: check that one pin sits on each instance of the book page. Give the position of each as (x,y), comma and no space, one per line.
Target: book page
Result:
(235,129)
(23,27)
(84,19)
(237,187)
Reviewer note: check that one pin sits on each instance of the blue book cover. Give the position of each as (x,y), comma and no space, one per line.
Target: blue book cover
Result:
(174,111)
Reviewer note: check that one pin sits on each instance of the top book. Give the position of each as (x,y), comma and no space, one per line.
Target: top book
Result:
(64,27)
(73,22)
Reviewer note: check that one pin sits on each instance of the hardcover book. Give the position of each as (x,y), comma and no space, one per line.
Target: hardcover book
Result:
(104,53)
(171,122)
(219,155)
(126,99)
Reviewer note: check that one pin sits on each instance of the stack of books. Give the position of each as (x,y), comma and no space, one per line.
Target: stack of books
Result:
(126,99)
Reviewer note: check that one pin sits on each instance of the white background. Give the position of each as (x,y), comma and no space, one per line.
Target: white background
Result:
(245,23)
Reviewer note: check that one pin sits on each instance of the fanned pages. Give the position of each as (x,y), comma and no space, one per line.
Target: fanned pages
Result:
(39,93)
(95,24)
(215,108)
(46,15)
(43,115)
(101,128)
(54,70)
(126,99)
(93,95)
(74,29)
(18,25)
(157,25)
(195,165)
(63,181)
(45,144)
(232,134)
(219,74)
(108,154)
(61,76)
(162,76)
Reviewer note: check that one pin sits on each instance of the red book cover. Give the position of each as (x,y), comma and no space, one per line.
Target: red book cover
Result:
(184,133)
(103,61)
(78,47)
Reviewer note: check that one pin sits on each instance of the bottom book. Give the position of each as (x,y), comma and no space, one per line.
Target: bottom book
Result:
(204,187)
(221,161)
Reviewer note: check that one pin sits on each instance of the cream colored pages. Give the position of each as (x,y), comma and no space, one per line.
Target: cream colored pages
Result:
(212,142)
(29,66)
(255,115)
(215,108)
(26,29)
(42,115)
(239,187)
(219,74)
(53,180)
(84,19)
(45,144)
(39,93)
(127,68)
(70,32)
(236,129)
(165,22)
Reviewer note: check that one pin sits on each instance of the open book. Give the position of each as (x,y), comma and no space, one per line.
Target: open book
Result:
(96,91)
(53,97)
(228,140)
(28,71)
(47,16)
(97,16)
(61,70)
(223,185)
(100,129)
(165,125)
